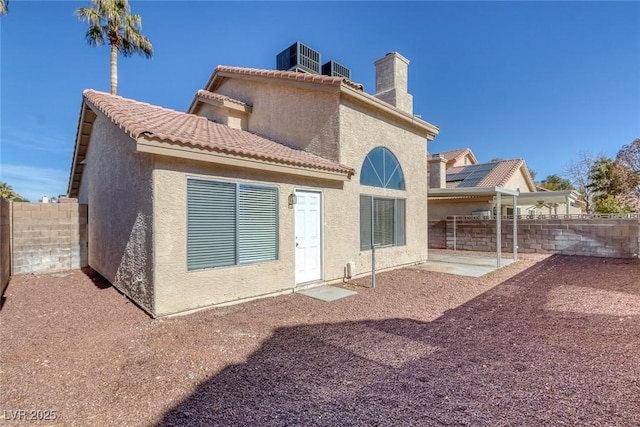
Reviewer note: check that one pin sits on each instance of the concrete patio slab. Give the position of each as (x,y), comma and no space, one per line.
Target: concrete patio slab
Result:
(461,265)
(327,293)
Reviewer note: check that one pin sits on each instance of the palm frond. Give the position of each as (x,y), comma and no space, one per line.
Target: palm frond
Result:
(111,21)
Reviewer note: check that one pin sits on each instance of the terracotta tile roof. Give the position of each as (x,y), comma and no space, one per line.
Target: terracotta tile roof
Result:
(496,176)
(285,75)
(453,155)
(156,123)
(217,97)
(500,174)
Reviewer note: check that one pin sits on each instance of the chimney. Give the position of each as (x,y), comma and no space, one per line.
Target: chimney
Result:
(391,81)
(437,172)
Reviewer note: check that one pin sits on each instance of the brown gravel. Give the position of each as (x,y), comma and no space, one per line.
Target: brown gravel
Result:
(557,342)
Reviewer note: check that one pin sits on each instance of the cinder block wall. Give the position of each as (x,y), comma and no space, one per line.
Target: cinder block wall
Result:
(5,243)
(49,237)
(618,238)
(438,234)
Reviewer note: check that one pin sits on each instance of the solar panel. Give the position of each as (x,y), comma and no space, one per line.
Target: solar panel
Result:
(477,175)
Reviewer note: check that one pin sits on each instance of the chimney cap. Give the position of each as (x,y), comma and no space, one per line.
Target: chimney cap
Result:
(389,57)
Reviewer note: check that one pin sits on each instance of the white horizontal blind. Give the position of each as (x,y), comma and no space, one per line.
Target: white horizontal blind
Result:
(257,223)
(384,222)
(389,222)
(211,224)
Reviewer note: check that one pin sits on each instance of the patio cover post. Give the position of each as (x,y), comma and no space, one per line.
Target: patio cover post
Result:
(515,227)
(568,211)
(499,227)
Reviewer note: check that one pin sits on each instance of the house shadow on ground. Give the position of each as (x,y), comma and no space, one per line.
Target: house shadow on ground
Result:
(516,355)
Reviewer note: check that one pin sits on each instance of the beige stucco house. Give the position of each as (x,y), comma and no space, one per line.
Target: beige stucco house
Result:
(462,186)
(270,182)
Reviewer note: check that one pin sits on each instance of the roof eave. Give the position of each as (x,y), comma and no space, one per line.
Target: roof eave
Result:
(471,191)
(148,144)
(87,116)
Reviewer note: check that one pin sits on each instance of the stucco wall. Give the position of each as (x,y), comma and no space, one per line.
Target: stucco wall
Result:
(517,181)
(288,114)
(178,289)
(360,133)
(118,189)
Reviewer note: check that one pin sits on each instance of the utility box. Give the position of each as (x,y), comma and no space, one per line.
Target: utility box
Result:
(299,57)
(351,269)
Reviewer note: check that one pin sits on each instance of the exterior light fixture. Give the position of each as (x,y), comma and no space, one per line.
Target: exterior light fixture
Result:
(293,199)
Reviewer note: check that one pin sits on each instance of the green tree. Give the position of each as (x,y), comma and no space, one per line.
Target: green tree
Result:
(613,185)
(7,192)
(611,204)
(554,182)
(111,21)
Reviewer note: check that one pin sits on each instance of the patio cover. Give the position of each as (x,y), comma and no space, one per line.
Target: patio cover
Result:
(497,192)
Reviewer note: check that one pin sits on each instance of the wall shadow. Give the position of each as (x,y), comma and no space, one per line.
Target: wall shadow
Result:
(96,278)
(503,358)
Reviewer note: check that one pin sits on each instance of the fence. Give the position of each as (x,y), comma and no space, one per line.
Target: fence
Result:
(43,237)
(5,243)
(615,235)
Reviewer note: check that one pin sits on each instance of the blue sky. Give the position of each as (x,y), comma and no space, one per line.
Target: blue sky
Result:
(534,80)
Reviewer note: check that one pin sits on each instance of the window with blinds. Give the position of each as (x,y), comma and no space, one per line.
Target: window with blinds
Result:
(388,217)
(230,224)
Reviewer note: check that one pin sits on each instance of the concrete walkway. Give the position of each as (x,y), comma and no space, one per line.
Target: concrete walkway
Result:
(461,265)
(327,293)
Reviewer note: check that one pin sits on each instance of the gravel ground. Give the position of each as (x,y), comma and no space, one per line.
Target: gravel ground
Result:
(546,341)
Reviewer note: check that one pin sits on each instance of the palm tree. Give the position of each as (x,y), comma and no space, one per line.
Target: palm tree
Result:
(110,21)
(6,190)
(4,7)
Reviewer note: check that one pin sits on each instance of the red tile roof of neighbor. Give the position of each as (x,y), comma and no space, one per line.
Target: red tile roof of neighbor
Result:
(285,75)
(496,177)
(453,155)
(140,119)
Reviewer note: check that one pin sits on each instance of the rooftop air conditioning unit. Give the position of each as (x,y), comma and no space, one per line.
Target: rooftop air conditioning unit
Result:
(299,57)
(332,68)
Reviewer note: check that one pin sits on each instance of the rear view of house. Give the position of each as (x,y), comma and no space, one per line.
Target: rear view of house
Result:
(272,180)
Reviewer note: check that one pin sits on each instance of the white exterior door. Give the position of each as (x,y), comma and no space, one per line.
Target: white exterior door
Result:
(308,236)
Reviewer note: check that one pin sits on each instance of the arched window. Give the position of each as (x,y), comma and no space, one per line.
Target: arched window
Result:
(382,169)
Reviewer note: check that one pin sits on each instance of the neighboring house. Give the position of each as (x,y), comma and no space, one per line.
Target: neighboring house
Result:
(273,180)
(460,185)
